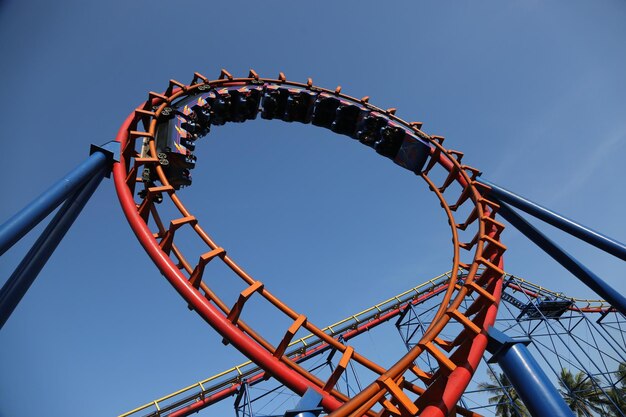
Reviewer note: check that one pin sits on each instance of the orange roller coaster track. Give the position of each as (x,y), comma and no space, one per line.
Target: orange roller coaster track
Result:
(390,393)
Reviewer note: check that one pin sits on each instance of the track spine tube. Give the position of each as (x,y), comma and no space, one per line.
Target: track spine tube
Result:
(23,221)
(581,272)
(584,233)
(26,272)
(540,397)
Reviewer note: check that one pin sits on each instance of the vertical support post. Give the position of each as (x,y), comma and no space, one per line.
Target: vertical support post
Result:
(26,272)
(308,406)
(246,386)
(590,236)
(540,397)
(615,298)
(243,393)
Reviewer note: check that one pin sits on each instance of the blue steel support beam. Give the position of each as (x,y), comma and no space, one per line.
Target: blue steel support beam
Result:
(75,188)
(604,290)
(26,272)
(22,222)
(590,236)
(540,397)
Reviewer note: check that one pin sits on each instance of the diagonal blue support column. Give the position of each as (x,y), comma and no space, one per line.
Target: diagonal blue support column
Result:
(22,222)
(604,290)
(536,391)
(75,188)
(590,236)
(18,283)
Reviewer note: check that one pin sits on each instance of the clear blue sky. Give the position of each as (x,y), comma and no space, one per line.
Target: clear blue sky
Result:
(534,93)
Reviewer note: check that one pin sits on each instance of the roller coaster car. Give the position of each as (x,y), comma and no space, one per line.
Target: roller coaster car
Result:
(196,124)
(178,177)
(299,106)
(196,111)
(325,110)
(176,159)
(188,143)
(274,102)
(346,118)
(201,115)
(245,103)
(174,145)
(545,308)
(369,127)
(391,138)
(178,134)
(221,107)
(189,132)
(177,167)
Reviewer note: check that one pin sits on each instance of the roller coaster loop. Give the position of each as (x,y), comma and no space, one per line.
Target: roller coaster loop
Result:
(156,144)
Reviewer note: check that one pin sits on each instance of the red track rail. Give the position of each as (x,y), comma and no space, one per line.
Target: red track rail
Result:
(457,358)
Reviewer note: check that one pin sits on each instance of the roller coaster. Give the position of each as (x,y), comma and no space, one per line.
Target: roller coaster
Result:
(448,324)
